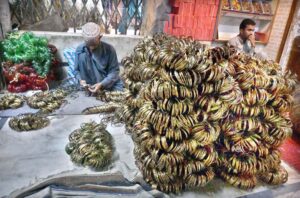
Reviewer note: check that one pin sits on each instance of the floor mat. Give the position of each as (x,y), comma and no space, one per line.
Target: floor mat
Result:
(291,152)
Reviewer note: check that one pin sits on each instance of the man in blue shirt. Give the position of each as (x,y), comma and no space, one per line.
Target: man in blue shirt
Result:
(96,62)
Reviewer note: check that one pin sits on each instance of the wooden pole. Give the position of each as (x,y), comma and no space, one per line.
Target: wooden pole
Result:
(4,18)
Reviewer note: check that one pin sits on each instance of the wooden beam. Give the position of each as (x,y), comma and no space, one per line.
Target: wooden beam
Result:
(4,18)
(286,30)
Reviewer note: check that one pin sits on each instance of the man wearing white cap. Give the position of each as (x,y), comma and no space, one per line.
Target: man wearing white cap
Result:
(96,62)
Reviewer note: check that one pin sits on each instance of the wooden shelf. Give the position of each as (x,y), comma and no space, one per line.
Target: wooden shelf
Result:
(228,18)
(241,14)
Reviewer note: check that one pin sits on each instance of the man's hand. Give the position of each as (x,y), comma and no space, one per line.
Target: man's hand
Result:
(252,40)
(95,88)
(82,83)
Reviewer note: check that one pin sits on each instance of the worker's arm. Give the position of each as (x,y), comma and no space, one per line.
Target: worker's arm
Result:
(252,44)
(112,73)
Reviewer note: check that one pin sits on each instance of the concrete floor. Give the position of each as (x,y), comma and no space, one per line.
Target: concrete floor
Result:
(36,163)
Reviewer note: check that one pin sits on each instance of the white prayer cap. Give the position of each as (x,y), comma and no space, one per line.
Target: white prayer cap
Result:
(90,31)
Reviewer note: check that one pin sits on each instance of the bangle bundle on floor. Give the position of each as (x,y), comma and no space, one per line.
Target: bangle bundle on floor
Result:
(195,113)
(11,101)
(111,96)
(105,108)
(47,101)
(28,122)
(91,145)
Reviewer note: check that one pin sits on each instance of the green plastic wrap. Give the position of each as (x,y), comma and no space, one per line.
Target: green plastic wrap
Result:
(29,48)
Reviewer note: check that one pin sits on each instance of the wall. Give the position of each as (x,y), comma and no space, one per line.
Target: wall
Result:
(123,44)
(272,48)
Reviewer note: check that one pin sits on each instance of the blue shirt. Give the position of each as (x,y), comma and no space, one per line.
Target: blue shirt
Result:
(98,66)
